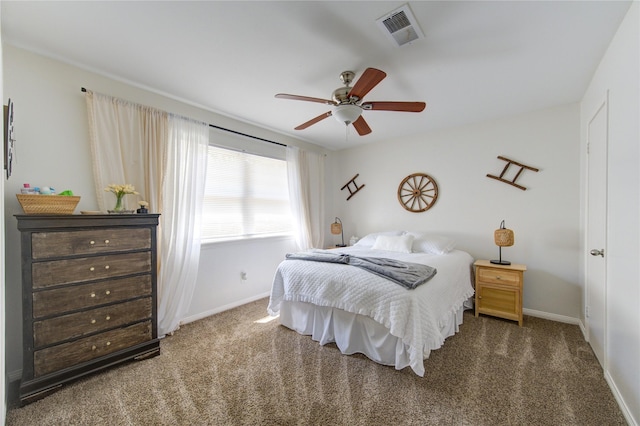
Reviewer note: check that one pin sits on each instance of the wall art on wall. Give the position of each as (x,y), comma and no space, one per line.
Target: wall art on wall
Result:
(502,178)
(9,140)
(352,186)
(417,192)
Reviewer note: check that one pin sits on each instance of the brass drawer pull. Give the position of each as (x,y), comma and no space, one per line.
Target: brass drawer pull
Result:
(108,343)
(106,241)
(93,348)
(108,292)
(93,295)
(92,242)
(93,321)
(106,267)
(108,318)
(92,269)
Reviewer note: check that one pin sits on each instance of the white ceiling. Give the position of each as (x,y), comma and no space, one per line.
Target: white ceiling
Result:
(478,61)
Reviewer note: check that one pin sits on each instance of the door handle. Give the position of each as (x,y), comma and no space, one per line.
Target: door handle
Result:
(596,252)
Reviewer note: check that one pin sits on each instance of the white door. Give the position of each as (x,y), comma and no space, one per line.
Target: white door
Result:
(596,300)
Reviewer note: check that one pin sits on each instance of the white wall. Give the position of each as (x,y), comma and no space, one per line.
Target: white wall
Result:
(619,74)
(3,381)
(53,150)
(220,287)
(470,206)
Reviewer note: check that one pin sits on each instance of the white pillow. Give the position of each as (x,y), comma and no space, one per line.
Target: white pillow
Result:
(369,240)
(425,242)
(399,243)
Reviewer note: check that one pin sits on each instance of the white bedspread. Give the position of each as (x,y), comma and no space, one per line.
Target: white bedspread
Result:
(415,316)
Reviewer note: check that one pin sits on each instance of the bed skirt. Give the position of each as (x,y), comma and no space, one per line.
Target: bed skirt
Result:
(354,333)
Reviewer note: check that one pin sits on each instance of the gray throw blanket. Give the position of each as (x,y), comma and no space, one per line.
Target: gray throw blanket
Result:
(408,275)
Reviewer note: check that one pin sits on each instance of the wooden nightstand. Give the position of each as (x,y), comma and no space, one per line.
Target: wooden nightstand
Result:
(499,290)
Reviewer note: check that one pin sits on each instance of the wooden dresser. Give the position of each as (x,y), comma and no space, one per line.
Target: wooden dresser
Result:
(89,298)
(499,290)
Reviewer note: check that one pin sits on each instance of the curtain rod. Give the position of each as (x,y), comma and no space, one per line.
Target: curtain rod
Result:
(231,131)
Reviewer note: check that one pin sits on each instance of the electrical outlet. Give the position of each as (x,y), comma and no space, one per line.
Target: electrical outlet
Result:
(243,276)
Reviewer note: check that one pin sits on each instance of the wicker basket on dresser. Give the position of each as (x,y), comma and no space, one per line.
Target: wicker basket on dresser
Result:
(89,296)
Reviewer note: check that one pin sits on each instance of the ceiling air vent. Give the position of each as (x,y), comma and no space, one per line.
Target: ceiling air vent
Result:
(400,26)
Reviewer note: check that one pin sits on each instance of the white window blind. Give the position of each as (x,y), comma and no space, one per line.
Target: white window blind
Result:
(246,195)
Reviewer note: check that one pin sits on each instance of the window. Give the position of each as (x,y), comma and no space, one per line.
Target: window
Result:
(246,195)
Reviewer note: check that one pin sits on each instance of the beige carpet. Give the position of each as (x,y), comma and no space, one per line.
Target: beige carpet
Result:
(229,370)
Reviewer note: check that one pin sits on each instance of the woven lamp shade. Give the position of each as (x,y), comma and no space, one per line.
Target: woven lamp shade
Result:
(503,237)
(336,228)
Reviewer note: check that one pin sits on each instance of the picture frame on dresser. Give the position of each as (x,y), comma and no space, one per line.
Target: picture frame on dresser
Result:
(89,296)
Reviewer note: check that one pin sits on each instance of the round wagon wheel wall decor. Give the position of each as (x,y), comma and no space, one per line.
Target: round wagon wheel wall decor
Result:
(418,192)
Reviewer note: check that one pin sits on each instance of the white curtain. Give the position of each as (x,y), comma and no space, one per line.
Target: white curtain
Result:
(183,194)
(128,145)
(163,158)
(305,173)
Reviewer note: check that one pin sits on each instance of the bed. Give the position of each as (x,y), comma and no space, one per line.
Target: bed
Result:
(364,312)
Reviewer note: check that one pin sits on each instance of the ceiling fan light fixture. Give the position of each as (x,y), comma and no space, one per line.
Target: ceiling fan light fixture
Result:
(347,113)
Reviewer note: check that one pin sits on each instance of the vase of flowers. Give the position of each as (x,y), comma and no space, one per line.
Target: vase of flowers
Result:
(120,191)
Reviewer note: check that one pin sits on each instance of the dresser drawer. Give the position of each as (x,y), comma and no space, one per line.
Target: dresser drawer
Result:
(66,271)
(79,324)
(60,244)
(68,354)
(60,300)
(498,276)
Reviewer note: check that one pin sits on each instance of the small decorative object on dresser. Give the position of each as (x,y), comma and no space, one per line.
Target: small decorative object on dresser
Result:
(120,191)
(143,207)
(499,289)
(89,296)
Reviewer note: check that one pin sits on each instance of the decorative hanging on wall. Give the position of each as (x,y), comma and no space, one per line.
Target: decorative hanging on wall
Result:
(352,186)
(9,140)
(417,192)
(517,175)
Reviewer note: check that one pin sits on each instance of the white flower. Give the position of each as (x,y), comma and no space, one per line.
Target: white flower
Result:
(121,190)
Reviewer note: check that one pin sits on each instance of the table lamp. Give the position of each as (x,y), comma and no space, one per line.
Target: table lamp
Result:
(336,229)
(503,237)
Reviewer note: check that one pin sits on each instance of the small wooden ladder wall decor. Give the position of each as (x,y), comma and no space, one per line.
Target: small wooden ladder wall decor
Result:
(513,181)
(353,183)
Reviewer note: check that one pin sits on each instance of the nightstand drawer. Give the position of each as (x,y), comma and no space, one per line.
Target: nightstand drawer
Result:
(496,300)
(498,276)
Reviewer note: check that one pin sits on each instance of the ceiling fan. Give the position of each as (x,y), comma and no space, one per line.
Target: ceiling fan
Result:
(347,101)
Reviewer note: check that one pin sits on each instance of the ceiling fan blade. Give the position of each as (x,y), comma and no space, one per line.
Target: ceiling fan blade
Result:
(304,98)
(361,126)
(395,106)
(369,79)
(314,120)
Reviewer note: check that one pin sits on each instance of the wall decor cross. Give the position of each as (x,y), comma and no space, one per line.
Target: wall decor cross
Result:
(501,178)
(352,186)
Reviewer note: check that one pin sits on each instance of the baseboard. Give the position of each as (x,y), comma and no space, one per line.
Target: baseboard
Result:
(556,317)
(223,308)
(623,406)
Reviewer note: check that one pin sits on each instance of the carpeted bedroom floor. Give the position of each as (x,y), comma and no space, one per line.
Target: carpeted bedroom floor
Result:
(230,370)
